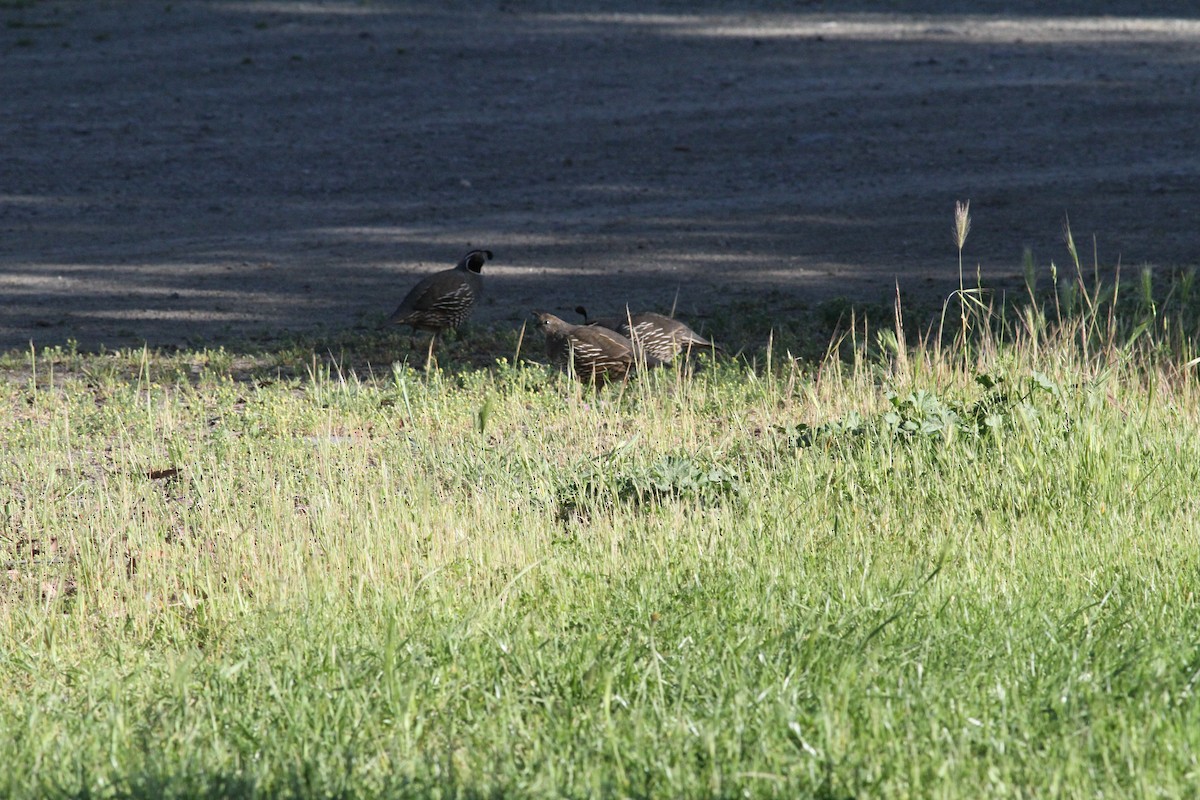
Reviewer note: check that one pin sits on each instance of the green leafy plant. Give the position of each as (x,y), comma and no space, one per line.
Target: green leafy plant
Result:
(609,482)
(925,415)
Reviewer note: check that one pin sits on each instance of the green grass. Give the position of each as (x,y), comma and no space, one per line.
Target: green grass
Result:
(959,569)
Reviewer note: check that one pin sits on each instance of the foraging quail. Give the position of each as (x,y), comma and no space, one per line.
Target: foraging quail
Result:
(661,337)
(444,299)
(594,353)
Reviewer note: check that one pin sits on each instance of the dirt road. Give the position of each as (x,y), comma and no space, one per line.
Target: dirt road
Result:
(188,172)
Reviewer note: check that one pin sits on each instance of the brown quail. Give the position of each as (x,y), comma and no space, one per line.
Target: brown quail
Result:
(660,337)
(593,353)
(444,299)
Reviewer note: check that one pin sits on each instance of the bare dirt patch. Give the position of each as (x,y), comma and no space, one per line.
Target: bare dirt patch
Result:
(193,173)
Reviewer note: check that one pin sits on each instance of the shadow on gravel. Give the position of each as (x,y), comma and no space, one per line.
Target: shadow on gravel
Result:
(201,173)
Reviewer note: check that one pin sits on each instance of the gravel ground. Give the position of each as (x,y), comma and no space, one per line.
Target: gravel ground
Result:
(198,173)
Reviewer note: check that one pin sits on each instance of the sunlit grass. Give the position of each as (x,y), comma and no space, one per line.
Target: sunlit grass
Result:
(895,566)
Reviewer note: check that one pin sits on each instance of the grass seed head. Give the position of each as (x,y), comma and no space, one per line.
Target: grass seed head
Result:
(962,222)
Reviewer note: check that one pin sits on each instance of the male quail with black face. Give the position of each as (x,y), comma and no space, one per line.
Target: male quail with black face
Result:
(594,353)
(660,337)
(444,299)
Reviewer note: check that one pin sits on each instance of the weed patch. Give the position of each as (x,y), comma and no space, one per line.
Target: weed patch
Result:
(617,479)
(1004,406)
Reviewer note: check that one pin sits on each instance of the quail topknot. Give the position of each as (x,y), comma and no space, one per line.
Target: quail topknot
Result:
(592,352)
(444,299)
(660,337)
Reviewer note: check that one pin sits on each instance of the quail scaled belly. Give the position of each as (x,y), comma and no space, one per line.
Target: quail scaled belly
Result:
(444,299)
(594,353)
(660,337)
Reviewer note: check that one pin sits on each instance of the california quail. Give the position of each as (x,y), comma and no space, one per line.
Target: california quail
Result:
(444,299)
(661,337)
(594,353)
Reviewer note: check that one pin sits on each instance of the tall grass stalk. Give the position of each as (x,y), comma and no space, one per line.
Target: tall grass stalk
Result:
(970,303)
